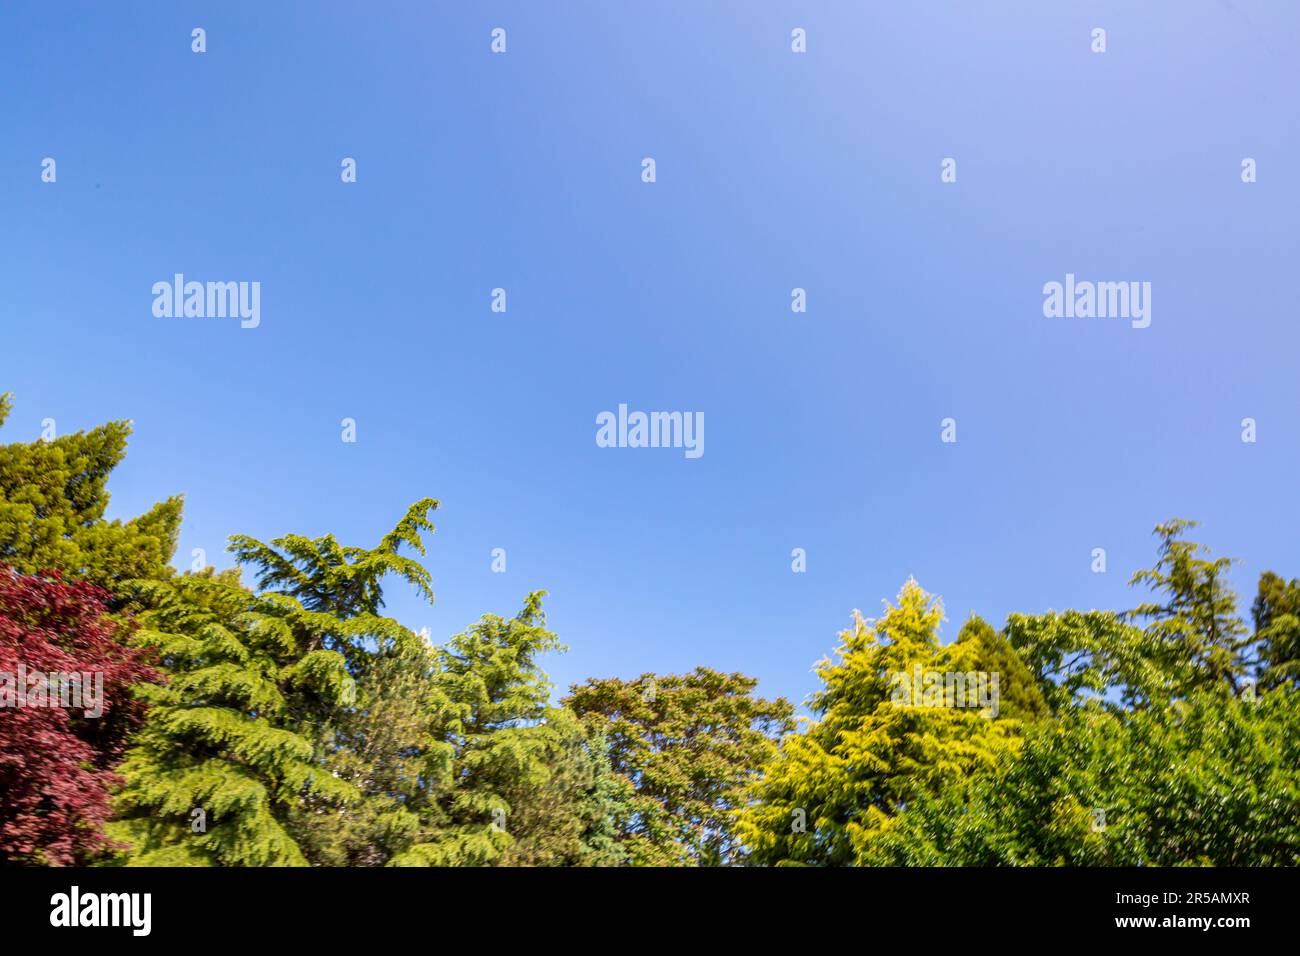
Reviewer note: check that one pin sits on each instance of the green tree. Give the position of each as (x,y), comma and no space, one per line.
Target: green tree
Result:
(571,816)
(981,649)
(1193,636)
(686,745)
(324,577)
(1211,780)
(383,747)
(1077,656)
(514,780)
(876,746)
(1277,629)
(221,758)
(1196,624)
(53,495)
(1155,756)
(234,733)
(406,750)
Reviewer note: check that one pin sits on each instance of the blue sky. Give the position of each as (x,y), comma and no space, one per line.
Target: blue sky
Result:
(774,171)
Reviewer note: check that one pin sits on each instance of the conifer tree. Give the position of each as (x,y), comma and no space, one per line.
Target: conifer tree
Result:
(460,761)
(221,758)
(1277,629)
(382,746)
(837,788)
(229,748)
(53,497)
(1196,627)
(572,816)
(980,649)
(496,736)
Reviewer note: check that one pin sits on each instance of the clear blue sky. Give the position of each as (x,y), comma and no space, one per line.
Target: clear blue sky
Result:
(775,170)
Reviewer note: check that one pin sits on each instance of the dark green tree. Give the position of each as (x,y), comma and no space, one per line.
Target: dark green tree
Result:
(497,738)
(384,748)
(981,649)
(1195,622)
(686,745)
(461,761)
(571,815)
(1277,629)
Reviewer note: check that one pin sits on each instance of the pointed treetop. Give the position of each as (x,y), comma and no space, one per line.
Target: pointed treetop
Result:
(323,575)
(53,497)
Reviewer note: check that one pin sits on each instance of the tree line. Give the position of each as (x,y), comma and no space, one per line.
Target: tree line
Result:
(285,720)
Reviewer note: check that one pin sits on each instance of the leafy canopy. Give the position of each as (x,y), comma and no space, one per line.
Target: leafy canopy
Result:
(685,747)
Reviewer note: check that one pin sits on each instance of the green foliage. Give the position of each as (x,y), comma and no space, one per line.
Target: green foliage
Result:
(222,737)
(686,746)
(1196,626)
(1157,754)
(1211,781)
(837,788)
(53,496)
(981,649)
(236,733)
(298,725)
(1078,656)
(569,816)
(310,729)
(326,578)
(1277,629)
(461,762)
(1193,638)
(495,734)
(382,746)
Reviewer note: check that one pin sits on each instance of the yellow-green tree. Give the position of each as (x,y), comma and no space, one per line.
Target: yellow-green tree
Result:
(881,741)
(53,495)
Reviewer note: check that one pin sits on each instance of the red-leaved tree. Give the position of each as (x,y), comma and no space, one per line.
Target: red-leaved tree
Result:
(56,761)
